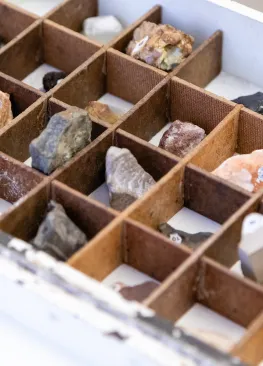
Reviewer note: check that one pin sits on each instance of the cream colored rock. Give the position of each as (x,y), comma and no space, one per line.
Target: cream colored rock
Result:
(101,111)
(245,171)
(102,28)
(6,114)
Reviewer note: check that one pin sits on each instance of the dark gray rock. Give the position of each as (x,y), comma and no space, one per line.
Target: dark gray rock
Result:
(58,235)
(253,102)
(192,241)
(66,133)
(52,78)
(139,292)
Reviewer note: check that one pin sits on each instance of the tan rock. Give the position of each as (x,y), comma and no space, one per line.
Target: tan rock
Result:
(160,45)
(101,111)
(6,114)
(245,170)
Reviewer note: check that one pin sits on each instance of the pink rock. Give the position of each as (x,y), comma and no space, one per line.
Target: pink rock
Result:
(245,171)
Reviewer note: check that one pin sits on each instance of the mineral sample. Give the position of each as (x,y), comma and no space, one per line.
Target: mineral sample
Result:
(6,114)
(245,170)
(253,102)
(192,241)
(51,79)
(66,133)
(102,28)
(137,293)
(251,247)
(101,111)
(126,179)
(181,138)
(160,45)
(58,235)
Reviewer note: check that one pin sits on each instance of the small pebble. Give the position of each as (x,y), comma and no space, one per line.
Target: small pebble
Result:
(58,235)
(139,292)
(181,138)
(51,79)
(101,111)
(102,28)
(253,102)
(6,114)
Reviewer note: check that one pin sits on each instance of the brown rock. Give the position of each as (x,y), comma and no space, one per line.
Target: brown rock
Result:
(246,170)
(181,138)
(6,114)
(139,292)
(101,111)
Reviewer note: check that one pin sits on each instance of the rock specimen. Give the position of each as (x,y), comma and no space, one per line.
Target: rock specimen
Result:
(192,241)
(102,28)
(253,102)
(181,138)
(245,170)
(6,114)
(251,247)
(126,179)
(66,133)
(160,45)
(136,293)
(101,111)
(51,79)
(58,235)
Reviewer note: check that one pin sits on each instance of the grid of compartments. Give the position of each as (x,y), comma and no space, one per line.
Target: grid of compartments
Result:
(127,244)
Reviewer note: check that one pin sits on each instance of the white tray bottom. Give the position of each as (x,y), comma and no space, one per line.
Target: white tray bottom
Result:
(117,105)
(4,206)
(39,7)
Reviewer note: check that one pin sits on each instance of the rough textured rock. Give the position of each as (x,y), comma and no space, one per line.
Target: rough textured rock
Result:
(6,114)
(137,293)
(66,133)
(52,78)
(102,28)
(101,111)
(253,102)
(251,247)
(126,179)
(58,235)
(192,241)
(245,170)
(160,45)
(181,138)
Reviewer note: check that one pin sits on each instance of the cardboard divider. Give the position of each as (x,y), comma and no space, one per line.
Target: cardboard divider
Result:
(27,127)
(46,42)
(24,220)
(13,22)
(249,132)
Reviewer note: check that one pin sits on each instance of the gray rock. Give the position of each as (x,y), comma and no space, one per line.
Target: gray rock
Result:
(126,179)
(192,241)
(58,235)
(66,133)
(139,292)
(253,102)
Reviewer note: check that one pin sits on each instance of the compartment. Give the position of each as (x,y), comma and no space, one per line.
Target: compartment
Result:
(39,7)
(13,22)
(131,255)
(176,100)
(86,173)
(208,302)
(23,222)
(16,181)
(45,47)
(28,126)
(109,78)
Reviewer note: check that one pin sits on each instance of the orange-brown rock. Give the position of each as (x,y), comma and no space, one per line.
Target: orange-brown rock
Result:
(6,114)
(101,111)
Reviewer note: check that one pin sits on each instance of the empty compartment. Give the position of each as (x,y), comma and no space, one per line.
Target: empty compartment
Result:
(13,22)
(111,79)
(87,172)
(16,181)
(39,7)
(23,222)
(45,47)
(208,302)
(30,125)
(176,100)
(124,262)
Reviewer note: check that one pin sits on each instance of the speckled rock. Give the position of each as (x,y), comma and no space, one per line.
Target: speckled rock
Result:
(58,235)
(253,102)
(192,241)
(51,79)
(126,179)
(245,170)
(101,111)
(181,138)
(162,45)
(66,133)
(6,114)
(138,292)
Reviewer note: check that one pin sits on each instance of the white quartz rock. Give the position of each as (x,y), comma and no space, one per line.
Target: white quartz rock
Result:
(102,28)
(251,247)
